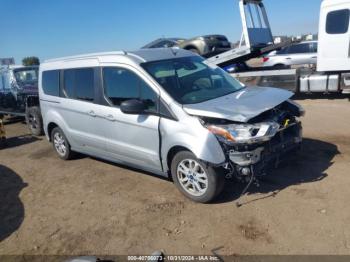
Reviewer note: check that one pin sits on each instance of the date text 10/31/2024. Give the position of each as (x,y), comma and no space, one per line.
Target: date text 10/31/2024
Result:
(173,258)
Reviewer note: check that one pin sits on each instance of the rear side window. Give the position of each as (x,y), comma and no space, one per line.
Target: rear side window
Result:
(282,51)
(299,49)
(121,85)
(338,22)
(79,84)
(51,82)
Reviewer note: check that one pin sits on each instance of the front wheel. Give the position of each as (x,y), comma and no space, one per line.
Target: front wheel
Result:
(196,180)
(34,120)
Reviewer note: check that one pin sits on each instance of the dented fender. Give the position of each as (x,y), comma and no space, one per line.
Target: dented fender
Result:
(192,136)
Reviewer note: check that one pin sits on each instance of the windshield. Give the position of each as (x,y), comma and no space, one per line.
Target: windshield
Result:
(189,80)
(26,76)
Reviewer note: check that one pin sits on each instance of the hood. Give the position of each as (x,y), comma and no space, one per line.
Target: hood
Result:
(242,105)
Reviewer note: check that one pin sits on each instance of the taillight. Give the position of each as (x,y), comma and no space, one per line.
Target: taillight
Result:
(265,59)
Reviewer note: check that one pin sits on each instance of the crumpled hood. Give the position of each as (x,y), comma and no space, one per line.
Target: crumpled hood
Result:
(242,105)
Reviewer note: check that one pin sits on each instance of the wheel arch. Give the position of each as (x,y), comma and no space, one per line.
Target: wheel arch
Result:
(191,46)
(206,149)
(50,127)
(171,154)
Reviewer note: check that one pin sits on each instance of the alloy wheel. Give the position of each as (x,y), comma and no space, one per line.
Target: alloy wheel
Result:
(60,144)
(192,177)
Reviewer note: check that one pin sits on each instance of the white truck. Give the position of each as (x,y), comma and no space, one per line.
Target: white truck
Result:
(332,73)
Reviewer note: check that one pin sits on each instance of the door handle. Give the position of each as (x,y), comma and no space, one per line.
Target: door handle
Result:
(92,113)
(314,57)
(110,118)
(288,58)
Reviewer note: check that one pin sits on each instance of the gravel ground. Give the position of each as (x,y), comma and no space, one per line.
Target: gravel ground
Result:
(88,206)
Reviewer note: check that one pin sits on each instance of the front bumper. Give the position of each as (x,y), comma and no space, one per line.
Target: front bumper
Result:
(257,158)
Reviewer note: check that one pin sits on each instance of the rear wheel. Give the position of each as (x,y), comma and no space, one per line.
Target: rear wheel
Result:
(34,120)
(61,144)
(196,180)
(280,66)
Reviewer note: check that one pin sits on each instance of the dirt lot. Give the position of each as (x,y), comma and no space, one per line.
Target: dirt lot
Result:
(88,206)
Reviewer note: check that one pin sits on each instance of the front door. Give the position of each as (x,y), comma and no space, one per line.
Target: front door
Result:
(130,138)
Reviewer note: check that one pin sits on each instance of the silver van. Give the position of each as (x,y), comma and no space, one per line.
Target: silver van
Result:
(167,112)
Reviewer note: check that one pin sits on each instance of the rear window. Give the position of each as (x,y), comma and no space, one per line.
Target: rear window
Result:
(338,22)
(79,84)
(51,82)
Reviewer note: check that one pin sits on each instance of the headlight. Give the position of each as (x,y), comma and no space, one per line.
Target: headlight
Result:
(246,133)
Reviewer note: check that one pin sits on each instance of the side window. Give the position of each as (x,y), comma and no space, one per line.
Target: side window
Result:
(1,83)
(79,83)
(168,44)
(299,49)
(282,51)
(122,84)
(51,82)
(6,81)
(338,22)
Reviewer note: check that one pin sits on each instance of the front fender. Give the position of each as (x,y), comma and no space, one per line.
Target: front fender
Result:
(192,136)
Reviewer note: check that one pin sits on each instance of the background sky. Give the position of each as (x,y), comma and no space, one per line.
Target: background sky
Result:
(54,28)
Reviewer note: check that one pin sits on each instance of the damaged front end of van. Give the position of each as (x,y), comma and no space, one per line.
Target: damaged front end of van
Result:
(258,135)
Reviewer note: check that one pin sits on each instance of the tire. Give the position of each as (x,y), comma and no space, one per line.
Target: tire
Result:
(60,144)
(34,120)
(280,66)
(184,166)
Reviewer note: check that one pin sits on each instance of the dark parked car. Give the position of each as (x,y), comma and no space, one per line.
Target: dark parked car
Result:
(19,95)
(208,45)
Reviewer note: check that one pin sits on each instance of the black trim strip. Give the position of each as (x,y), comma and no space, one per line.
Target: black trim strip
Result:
(160,145)
(50,101)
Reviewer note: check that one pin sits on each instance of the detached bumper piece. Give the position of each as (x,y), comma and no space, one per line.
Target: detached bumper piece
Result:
(257,158)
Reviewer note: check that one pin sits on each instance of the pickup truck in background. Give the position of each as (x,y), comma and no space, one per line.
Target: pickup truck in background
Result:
(206,46)
(19,95)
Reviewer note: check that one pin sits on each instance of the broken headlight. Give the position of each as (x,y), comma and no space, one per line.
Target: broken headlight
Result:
(245,133)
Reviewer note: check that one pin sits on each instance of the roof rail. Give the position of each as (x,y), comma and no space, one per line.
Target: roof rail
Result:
(91,55)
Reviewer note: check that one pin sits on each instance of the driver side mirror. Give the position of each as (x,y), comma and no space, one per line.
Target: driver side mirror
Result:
(133,107)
